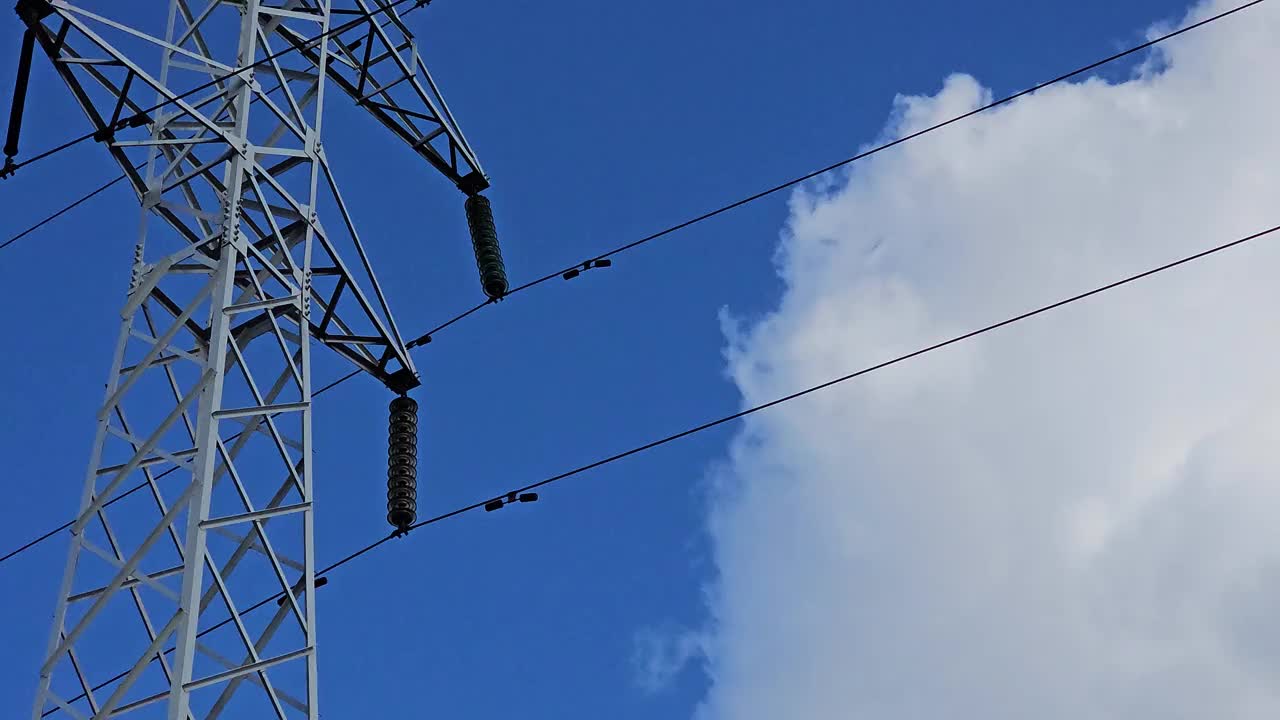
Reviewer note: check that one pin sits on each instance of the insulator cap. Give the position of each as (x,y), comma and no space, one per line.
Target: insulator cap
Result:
(484,240)
(402,463)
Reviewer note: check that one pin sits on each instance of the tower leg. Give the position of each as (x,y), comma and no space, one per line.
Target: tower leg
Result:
(208,403)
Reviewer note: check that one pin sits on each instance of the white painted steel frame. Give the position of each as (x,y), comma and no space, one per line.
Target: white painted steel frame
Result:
(235,176)
(357,327)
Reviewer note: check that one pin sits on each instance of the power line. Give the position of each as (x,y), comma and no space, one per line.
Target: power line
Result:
(854,158)
(139,486)
(59,213)
(306,44)
(865,371)
(744,413)
(426,337)
(70,207)
(336,383)
(423,339)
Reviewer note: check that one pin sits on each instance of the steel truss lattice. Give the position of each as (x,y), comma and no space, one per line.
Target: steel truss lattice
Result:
(246,255)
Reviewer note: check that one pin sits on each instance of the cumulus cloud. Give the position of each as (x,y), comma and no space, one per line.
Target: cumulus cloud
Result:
(1075,517)
(660,654)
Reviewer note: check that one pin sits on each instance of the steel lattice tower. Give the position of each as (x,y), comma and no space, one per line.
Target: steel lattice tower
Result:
(246,257)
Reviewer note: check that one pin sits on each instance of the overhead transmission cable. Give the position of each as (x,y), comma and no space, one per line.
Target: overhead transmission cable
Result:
(144,483)
(739,415)
(304,45)
(50,218)
(781,186)
(572,270)
(426,337)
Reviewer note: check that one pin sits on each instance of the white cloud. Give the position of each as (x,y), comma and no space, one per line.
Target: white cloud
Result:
(660,654)
(1075,517)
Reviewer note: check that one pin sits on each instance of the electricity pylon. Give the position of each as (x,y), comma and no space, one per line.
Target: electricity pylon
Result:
(246,255)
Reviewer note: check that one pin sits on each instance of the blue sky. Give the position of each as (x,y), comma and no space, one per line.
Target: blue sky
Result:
(598,123)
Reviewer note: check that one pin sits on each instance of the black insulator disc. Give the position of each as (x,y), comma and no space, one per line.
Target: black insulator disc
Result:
(408,439)
(405,459)
(402,518)
(404,402)
(403,427)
